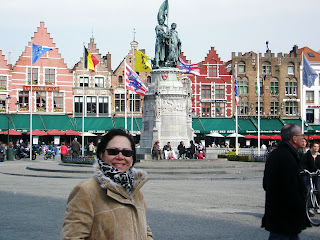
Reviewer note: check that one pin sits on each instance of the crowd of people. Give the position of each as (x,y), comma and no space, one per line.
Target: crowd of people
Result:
(194,151)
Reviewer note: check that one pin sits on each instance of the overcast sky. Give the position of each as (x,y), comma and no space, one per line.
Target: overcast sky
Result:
(228,25)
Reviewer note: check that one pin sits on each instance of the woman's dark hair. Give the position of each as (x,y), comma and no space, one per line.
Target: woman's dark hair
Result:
(110,135)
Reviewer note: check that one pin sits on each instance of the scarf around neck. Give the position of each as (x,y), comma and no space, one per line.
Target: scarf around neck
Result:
(126,179)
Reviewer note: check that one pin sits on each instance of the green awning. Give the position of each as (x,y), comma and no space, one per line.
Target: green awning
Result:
(21,122)
(271,126)
(59,122)
(246,126)
(314,128)
(94,124)
(223,126)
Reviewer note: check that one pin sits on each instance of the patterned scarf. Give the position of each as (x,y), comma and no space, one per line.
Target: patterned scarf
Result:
(126,179)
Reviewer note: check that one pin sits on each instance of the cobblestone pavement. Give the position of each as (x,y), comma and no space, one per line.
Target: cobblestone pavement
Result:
(190,200)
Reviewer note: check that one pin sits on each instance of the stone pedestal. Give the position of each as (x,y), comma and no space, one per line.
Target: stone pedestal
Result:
(167,111)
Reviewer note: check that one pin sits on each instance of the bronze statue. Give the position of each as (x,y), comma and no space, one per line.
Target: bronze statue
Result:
(168,44)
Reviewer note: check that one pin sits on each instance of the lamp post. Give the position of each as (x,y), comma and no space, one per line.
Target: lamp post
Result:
(8,103)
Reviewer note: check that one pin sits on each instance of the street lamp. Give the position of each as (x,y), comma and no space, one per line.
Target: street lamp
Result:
(8,103)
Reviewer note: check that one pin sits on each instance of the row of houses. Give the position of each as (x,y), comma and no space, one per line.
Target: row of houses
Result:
(58,90)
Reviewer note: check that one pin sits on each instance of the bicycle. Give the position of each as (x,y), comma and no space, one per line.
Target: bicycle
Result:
(313,199)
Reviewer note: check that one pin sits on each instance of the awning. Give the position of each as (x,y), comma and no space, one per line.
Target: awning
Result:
(95,125)
(269,125)
(223,126)
(61,122)
(246,126)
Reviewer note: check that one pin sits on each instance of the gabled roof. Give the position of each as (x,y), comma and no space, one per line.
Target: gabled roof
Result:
(307,52)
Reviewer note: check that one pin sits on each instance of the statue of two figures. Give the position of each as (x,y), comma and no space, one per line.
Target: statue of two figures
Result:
(168,44)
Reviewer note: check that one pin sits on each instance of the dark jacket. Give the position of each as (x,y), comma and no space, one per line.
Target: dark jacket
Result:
(285,211)
(181,149)
(310,163)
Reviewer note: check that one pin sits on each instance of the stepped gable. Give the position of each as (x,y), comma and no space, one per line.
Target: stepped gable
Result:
(104,61)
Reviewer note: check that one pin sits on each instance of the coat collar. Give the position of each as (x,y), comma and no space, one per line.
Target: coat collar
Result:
(107,183)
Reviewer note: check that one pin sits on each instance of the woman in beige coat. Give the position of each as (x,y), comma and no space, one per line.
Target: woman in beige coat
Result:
(109,205)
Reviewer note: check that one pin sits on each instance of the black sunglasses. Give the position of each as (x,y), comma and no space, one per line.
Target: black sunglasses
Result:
(115,151)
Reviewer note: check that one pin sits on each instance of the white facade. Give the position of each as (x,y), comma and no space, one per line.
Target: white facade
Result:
(311,98)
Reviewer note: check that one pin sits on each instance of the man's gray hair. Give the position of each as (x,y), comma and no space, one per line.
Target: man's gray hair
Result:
(288,131)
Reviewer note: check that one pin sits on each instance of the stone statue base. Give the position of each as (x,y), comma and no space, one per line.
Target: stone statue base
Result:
(167,112)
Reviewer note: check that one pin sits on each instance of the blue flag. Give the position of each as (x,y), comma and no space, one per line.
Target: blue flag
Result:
(37,52)
(308,74)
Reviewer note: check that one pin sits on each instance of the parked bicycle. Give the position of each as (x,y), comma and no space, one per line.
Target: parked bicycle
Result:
(313,199)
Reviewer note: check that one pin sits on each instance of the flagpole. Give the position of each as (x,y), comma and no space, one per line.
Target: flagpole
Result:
(132,98)
(125,94)
(302,98)
(237,148)
(31,104)
(83,102)
(258,90)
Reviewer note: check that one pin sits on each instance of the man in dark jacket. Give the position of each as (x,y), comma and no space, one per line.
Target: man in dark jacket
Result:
(285,212)
(75,147)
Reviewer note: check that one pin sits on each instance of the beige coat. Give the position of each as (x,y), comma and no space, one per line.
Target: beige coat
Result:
(100,209)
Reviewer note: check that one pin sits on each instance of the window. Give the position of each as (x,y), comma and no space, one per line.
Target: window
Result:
(41,101)
(261,88)
(103,105)
(78,101)
(206,109)
(274,88)
(120,81)
(274,108)
(91,105)
(50,76)
(266,68)
(3,105)
(261,108)
(58,101)
(291,108)
(86,81)
(291,88)
(219,91)
(99,82)
(212,71)
(206,91)
(34,75)
(119,102)
(310,115)
(24,100)
(220,109)
(243,87)
(291,70)
(241,68)
(309,96)
(243,108)
(310,54)
(3,82)
(149,79)
(136,102)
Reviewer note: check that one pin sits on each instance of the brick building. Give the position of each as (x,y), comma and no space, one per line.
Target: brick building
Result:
(280,93)
(134,101)
(93,86)
(51,80)
(212,89)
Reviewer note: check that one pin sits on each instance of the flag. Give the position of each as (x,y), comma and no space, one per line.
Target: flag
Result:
(134,83)
(189,68)
(141,63)
(90,61)
(263,83)
(308,74)
(236,93)
(38,51)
